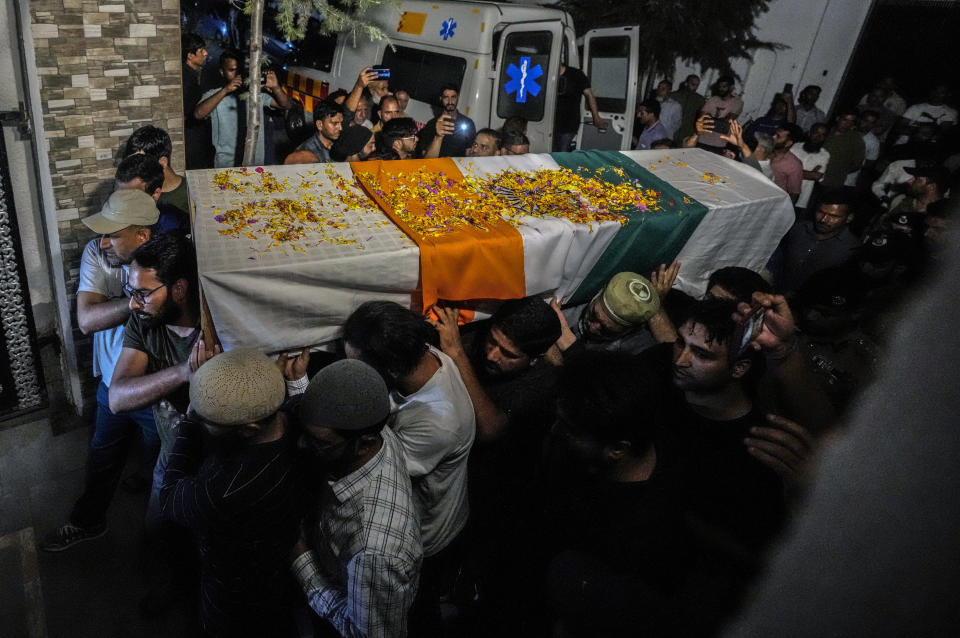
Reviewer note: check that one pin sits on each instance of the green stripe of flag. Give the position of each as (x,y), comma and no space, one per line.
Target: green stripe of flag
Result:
(650,237)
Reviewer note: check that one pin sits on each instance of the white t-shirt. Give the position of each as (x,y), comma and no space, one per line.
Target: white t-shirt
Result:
(671,113)
(436,426)
(928,113)
(97,275)
(810,161)
(924,113)
(893,175)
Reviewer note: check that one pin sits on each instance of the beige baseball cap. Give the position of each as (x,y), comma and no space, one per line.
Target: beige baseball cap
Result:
(128,207)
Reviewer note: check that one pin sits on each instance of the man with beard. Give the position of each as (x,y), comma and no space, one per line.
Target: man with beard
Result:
(356,144)
(814,159)
(723,105)
(435,427)
(813,245)
(787,168)
(451,133)
(126,222)
(328,118)
(505,369)
(399,138)
(625,316)
(242,499)
(162,344)
(359,564)
(691,102)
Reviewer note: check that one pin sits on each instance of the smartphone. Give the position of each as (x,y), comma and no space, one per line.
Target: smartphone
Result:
(748,329)
(382,71)
(721,126)
(788,88)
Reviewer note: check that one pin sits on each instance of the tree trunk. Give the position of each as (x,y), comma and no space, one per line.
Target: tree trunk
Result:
(254,112)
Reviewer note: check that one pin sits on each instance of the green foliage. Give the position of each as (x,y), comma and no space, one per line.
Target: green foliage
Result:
(710,33)
(345,16)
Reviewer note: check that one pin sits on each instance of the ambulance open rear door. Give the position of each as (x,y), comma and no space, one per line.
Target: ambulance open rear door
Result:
(528,62)
(611,59)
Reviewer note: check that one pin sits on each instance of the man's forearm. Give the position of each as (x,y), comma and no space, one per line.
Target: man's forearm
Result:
(93,317)
(353,100)
(281,98)
(592,105)
(133,393)
(491,421)
(205,107)
(433,150)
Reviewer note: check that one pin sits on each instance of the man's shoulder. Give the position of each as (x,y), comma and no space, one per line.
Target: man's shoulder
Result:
(848,239)
(96,271)
(801,228)
(794,162)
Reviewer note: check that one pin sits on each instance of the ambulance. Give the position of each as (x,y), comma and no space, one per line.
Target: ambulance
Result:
(504,57)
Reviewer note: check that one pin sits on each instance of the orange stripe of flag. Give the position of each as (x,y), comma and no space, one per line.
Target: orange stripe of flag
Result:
(464,264)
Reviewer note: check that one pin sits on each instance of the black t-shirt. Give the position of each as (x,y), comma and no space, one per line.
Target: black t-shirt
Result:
(454,145)
(570,87)
(198,149)
(737,500)
(164,349)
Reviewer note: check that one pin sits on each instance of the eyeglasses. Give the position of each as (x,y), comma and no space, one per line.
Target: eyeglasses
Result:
(138,295)
(409,137)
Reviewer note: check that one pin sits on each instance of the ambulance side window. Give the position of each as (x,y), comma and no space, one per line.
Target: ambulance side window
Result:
(526,58)
(422,73)
(609,72)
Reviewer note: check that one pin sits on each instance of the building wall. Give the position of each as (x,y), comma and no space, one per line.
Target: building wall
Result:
(106,67)
(818,36)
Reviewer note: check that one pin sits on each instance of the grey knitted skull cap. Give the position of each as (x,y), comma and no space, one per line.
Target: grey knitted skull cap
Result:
(346,395)
(237,387)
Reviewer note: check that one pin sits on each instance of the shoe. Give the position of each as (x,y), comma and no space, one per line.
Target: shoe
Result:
(68,535)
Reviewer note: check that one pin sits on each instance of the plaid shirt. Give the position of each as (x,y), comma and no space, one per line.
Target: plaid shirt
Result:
(362,576)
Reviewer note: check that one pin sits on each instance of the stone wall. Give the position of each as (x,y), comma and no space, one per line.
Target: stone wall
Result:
(106,68)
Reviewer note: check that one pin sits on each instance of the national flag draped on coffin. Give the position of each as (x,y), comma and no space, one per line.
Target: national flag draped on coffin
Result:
(287,252)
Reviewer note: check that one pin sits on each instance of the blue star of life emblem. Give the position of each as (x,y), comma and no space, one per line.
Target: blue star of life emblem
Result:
(523,80)
(447,29)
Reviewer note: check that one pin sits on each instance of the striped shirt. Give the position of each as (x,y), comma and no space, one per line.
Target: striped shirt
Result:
(245,508)
(363,570)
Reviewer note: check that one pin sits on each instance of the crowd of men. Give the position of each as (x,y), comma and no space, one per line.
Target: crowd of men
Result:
(608,469)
